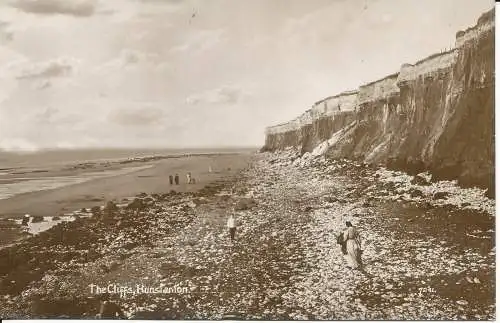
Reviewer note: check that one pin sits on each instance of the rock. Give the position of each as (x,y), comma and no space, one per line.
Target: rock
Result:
(462,302)
(245,204)
(37,218)
(331,199)
(307,209)
(111,208)
(96,210)
(136,204)
(419,180)
(440,195)
(148,201)
(416,193)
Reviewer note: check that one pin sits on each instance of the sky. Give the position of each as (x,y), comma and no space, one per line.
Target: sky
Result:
(198,73)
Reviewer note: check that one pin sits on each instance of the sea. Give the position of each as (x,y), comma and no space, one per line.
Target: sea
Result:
(20,171)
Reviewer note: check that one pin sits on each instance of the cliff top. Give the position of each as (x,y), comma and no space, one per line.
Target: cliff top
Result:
(345,93)
(382,79)
(423,60)
(485,18)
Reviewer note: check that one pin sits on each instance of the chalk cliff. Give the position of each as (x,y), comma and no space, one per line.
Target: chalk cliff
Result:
(435,115)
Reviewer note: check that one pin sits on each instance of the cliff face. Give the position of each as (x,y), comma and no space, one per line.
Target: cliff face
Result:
(435,115)
(315,125)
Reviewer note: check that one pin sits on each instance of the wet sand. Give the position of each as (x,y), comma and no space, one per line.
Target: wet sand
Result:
(152,180)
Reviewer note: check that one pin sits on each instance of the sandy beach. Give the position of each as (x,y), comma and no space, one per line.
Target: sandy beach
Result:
(151,180)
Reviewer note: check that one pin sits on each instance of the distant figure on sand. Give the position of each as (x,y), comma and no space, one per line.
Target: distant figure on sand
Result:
(188,177)
(231,224)
(171,179)
(176,179)
(109,310)
(26,219)
(353,246)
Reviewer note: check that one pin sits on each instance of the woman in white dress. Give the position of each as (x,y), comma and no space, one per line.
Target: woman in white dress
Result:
(353,245)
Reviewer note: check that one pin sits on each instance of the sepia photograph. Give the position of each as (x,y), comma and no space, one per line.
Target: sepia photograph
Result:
(247,160)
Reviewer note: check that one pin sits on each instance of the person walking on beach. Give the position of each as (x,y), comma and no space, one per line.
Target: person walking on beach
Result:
(231,225)
(26,219)
(171,179)
(353,246)
(176,179)
(109,310)
(188,177)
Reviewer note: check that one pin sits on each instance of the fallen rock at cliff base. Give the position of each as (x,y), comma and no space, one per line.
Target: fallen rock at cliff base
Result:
(419,180)
(440,195)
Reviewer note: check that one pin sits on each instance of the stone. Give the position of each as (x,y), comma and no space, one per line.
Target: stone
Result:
(416,193)
(419,180)
(440,195)
(37,218)
(136,204)
(96,210)
(245,204)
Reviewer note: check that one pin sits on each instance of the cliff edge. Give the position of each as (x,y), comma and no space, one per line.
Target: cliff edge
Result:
(436,115)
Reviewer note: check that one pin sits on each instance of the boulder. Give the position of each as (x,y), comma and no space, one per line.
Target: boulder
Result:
(96,210)
(419,180)
(416,193)
(245,204)
(111,208)
(136,204)
(37,218)
(440,195)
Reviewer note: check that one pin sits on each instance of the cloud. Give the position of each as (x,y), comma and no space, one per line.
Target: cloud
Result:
(129,58)
(136,117)
(43,84)
(200,41)
(164,2)
(6,35)
(47,115)
(17,144)
(77,8)
(44,70)
(222,95)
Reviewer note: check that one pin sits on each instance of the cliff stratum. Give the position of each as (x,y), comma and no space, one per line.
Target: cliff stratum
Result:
(436,115)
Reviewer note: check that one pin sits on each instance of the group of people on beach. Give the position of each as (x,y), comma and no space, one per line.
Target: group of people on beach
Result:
(175,179)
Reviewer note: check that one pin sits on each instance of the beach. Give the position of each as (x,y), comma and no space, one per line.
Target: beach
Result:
(110,181)
(168,256)
(152,178)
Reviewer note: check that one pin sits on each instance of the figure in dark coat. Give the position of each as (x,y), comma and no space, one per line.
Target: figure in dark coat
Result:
(342,243)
